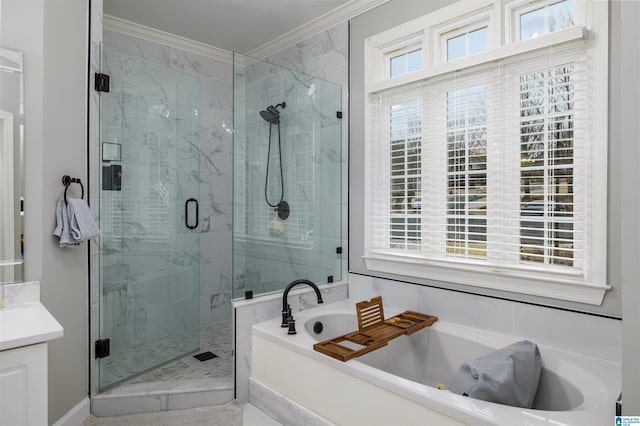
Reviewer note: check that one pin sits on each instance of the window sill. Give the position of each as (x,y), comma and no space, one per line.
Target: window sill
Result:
(550,285)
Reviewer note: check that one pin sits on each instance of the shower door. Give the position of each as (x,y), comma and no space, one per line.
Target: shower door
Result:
(149,190)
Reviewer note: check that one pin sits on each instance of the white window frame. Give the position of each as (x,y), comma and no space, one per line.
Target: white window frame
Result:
(516,8)
(402,51)
(400,47)
(485,17)
(583,287)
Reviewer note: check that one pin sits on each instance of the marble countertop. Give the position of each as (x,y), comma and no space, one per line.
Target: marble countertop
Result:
(27,324)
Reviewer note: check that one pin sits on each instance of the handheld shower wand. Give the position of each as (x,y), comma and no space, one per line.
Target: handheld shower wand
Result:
(272,116)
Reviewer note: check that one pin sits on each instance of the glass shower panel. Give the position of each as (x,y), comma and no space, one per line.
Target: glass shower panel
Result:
(149,244)
(271,250)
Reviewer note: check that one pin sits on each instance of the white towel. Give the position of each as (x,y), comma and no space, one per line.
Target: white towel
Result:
(74,222)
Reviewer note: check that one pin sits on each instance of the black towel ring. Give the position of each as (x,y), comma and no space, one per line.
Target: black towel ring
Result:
(67,181)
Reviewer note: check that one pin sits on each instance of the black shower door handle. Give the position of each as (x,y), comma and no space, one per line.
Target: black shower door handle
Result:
(186,213)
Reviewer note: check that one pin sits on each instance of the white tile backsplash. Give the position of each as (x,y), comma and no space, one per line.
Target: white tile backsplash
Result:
(582,333)
(585,334)
(479,311)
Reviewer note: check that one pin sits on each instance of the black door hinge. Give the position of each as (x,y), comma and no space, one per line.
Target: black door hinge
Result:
(102,348)
(102,82)
(339,114)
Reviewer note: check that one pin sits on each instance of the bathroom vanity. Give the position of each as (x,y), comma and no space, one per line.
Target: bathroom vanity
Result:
(25,328)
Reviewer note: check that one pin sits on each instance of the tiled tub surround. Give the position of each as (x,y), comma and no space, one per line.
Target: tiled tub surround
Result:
(588,335)
(253,311)
(574,389)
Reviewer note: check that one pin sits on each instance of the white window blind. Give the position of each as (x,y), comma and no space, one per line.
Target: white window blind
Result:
(486,167)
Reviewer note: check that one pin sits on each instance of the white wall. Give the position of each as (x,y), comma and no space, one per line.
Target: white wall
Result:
(53,35)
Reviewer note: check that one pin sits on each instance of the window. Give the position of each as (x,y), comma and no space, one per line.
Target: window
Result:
(547,122)
(488,174)
(405,62)
(405,167)
(468,43)
(534,19)
(467,171)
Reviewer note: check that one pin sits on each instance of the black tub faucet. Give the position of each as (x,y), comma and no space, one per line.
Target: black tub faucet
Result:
(287,317)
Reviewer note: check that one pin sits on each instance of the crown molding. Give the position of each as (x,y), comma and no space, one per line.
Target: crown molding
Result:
(151,34)
(340,14)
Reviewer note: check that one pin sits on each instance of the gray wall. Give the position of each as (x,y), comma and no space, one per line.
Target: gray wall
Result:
(396,12)
(53,35)
(625,126)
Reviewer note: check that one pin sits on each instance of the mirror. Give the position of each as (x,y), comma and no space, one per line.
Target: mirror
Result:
(11,161)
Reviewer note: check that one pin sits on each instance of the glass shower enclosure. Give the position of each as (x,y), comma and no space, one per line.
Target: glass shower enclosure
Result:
(149,244)
(287,178)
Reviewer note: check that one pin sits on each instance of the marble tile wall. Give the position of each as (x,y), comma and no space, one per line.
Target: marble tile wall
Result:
(310,143)
(206,99)
(585,334)
(209,144)
(326,56)
(323,56)
(17,293)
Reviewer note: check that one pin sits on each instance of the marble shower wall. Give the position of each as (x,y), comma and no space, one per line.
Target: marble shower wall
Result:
(314,84)
(203,144)
(310,142)
(326,56)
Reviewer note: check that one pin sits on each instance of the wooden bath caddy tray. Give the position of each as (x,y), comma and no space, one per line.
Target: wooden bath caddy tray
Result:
(373,331)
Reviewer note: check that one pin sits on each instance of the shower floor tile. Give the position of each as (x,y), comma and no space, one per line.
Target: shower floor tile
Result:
(186,373)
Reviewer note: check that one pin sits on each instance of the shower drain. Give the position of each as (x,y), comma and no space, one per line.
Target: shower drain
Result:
(204,356)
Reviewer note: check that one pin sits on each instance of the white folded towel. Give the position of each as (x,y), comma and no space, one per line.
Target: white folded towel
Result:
(74,222)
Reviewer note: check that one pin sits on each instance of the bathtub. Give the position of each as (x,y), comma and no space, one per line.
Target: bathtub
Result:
(397,383)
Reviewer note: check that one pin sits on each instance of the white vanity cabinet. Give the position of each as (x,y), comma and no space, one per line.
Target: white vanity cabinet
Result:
(25,329)
(23,386)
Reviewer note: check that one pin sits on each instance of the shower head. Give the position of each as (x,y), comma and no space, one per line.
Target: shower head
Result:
(271,115)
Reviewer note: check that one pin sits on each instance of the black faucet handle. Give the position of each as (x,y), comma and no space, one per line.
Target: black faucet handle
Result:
(286,316)
(292,326)
(285,319)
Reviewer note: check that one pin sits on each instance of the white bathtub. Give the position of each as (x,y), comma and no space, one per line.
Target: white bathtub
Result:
(396,384)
